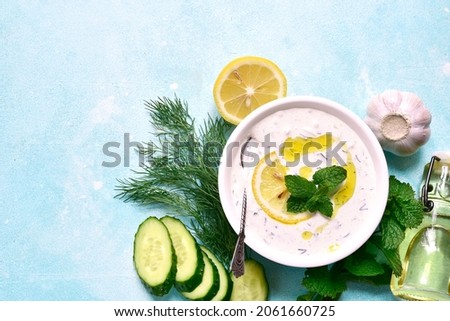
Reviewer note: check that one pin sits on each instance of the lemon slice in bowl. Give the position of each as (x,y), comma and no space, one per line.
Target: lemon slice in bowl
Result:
(245,84)
(270,192)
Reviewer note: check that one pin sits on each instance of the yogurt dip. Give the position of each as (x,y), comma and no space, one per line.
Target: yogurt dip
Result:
(304,139)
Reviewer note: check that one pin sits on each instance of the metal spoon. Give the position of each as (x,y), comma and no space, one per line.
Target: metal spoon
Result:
(237,262)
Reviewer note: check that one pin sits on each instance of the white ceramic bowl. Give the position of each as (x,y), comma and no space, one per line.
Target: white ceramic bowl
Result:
(319,240)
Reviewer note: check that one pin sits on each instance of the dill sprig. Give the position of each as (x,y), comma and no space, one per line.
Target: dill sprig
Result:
(182,172)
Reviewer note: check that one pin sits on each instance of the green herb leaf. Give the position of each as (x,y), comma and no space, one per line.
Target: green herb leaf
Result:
(363,267)
(330,176)
(299,186)
(398,188)
(392,234)
(320,203)
(323,281)
(296,204)
(323,190)
(403,204)
(391,255)
(408,212)
(394,260)
(310,296)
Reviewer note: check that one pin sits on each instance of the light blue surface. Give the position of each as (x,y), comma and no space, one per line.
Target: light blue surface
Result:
(74,75)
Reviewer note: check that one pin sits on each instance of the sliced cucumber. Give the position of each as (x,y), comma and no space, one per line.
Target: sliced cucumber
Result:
(190,264)
(226,285)
(252,286)
(154,256)
(210,283)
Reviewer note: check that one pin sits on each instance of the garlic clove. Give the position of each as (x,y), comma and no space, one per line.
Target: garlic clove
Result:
(403,148)
(391,100)
(421,117)
(413,106)
(377,108)
(420,135)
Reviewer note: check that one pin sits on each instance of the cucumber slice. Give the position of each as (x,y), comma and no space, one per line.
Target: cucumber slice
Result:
(154,256)
(190,263)
(226,285)
(210,283)
(252,286)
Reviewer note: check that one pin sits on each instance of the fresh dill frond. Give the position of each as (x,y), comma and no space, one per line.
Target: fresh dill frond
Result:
(170,116)
(182,172)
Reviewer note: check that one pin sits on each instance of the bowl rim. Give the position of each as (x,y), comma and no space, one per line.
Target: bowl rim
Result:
(356,124)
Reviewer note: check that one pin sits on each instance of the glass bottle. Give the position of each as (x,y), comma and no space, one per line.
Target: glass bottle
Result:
(425,251)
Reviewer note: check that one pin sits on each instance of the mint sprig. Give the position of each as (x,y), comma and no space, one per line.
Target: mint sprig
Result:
(314,196)
(378,258)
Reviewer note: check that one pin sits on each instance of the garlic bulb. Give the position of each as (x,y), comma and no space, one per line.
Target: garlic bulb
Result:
(400,121)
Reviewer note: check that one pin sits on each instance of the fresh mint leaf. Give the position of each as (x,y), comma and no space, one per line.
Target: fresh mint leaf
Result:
(314,296)
(310,296)
(400,189)
(392,233)
(392,256)
(323,190)
(394,261)
(296,204)
(363,267)
(402,211)
(403,204)
(330,176)
(408,212)
(299,186)
(324,282)
(320,203)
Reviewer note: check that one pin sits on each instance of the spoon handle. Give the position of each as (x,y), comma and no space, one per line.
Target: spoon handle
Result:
(237,262)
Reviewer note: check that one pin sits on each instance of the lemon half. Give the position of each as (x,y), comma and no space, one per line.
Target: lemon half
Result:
(245,84)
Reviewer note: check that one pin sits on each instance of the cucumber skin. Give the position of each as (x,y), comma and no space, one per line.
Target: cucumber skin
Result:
(196,279)
(215,287)
(163,288)
(229,283)
(230,289)
(212,290)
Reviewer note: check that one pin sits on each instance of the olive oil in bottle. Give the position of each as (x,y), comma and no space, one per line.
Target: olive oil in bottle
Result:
(425,251)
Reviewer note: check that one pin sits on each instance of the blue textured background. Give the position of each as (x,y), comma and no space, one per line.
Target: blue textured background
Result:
(74,75)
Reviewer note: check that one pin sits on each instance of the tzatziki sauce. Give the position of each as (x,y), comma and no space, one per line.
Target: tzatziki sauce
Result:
(317,234)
